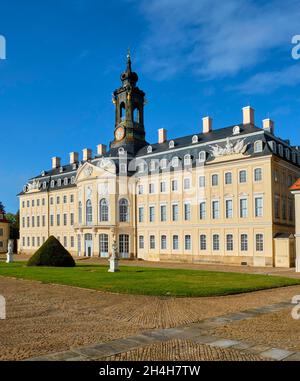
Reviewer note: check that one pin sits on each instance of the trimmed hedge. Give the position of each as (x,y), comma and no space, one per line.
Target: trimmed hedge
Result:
(52,253)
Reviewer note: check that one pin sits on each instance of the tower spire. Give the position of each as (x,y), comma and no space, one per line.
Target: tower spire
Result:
(128,61)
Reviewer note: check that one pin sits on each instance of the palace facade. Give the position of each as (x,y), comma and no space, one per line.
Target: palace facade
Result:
(218,196)
(4,232)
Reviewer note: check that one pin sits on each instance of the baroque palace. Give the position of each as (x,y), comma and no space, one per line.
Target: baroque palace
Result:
(218,196)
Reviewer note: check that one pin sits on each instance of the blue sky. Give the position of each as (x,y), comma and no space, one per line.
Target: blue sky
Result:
(194,58)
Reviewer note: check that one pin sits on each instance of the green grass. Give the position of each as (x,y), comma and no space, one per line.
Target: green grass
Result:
(148,281)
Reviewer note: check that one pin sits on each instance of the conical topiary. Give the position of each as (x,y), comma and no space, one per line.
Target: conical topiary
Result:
(52,253)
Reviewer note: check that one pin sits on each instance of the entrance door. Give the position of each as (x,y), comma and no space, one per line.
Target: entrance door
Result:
(88,245)
(124,245)
(103,245)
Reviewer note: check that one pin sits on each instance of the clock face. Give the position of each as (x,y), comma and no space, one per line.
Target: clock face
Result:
(119,134)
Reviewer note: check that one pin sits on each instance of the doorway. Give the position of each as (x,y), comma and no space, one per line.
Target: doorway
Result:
(88,245)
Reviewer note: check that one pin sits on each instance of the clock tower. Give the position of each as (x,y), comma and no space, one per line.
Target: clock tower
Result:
(129,103)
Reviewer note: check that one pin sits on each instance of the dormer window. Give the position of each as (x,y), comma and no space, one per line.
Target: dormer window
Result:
(171,144)
(236,130)
(287,153)
(43,173)
(52,184)
(74,166)
(149,149)
(258,146)
(273,146)
(61,169)
(294,157)
(202,156)
(59,182)
(175,162)
(280,149)
(187,159)
(152,165)
(73,180)
(195,139)
(164,163)
(66,181)
(141,167)
(123,168)
(44,185)
(121,151)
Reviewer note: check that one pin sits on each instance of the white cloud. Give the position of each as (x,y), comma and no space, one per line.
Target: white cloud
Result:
(214,38)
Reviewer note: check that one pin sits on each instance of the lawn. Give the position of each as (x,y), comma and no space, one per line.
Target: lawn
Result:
(148,281)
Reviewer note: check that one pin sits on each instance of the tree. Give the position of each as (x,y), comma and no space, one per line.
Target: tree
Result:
(14,220)
(2,207)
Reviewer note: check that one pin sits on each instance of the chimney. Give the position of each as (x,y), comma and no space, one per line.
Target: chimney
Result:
(101,149)
(73,157)
(162,135)
(207,124)
(87,154)
(248,115)
(55,162)
(268,125)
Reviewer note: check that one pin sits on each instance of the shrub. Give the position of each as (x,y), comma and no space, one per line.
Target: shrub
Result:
(52,253)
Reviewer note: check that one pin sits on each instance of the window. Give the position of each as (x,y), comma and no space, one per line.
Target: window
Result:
(259,240)
(73,180)
(229,242)
(38,202)
(103,245)
(164,163)
(163,213)
(171,144)
(202,156)
(201,181)
(140,189)
(141,214)
(163,242)
(215,209)
(229,208)
(259,207)
(66,181)
(38,241)
(28,241)
(136,115)
(152,242)
(243,176)
(283,205)
(38,221)
(32,202)
(186,184)
(175,212)
(122,112)
(244,242)
(80,212)
(32,221)
(187,242)
(228,178)
(175,242)
(79,244)
(72,219)
(123,168)
(258,146)
(89,212)
(103,210)
(44,185)
(277,206)
(51,220)
(51,200)
(52,184)
(57,199)
(65,242)
(59,182)
(23,222)
(72,242)
(291,209)
(202,242)
(174,185)
(257,174)
(216,242)
(202,210)
(214,180)
(33,241)
(151,188)
(58,219)
(65,199)
(124,245)
(152,165)
(151,214)
(187,211)
(163,187)
(243,207)
(65,219)
(1,232)
(28,222)
(141,242)
(43,221)
(175,162)
(280,149)
(43,201)
(187,160)
(123,210)
(28,203)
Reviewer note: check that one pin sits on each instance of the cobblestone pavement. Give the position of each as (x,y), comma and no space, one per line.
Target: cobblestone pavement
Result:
(182,343)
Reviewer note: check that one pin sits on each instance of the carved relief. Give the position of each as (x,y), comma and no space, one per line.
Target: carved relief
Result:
(230,148)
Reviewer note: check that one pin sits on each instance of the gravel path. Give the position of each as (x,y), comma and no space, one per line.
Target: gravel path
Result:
(43,318)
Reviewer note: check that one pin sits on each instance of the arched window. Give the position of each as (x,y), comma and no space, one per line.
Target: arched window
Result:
(123,210)
(80,212)
(187,159)
(122,112)
(202,156)
(73,180)
(103,210)
(258,146)
(52,183)
(136,115)
(59,182)
(175,161)
(89,212)
(66,181)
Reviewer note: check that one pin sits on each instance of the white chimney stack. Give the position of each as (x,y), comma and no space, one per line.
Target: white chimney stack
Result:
(248,115)
(101,149)
(87,154)
(268,125)
(207,124)
(73,157)
(162,135)
(55,162)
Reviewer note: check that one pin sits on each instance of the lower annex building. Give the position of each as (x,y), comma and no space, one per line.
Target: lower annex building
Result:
(218,196)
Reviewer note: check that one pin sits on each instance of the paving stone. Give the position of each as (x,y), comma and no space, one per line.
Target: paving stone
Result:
(87,351)
(241,345)
(276,354)
(238,316)
(294,357)
(40,358)
(63,356)
(258,349)
(189,332)
(205,339)
(223,343)
(158,335)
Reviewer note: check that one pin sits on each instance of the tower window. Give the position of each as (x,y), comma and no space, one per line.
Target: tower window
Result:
(122,112)
(136,115)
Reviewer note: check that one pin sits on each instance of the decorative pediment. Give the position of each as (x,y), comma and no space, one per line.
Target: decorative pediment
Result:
(102,168)
(231,148)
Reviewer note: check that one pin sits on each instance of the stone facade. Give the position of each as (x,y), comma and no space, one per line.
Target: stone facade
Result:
(4,232)
(218,196)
